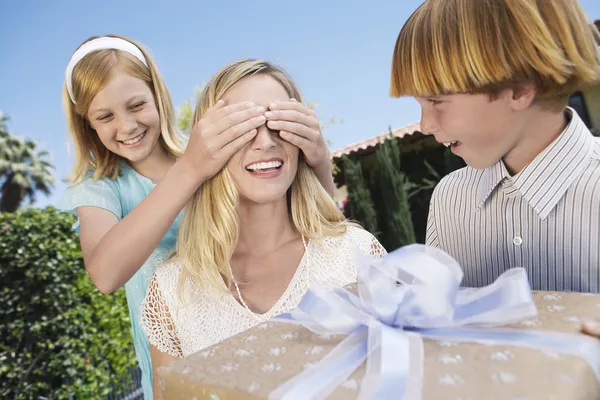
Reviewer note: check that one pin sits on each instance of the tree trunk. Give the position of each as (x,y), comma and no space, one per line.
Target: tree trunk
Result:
(12,196)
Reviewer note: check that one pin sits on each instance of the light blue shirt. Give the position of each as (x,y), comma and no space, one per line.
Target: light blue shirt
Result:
(120,196)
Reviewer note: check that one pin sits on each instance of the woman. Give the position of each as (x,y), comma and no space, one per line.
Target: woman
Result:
(254,236)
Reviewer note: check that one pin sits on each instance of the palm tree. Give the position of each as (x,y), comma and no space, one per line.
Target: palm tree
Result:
(24,170)
(3,128)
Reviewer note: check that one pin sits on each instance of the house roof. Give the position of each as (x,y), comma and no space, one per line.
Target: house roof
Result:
(375,140)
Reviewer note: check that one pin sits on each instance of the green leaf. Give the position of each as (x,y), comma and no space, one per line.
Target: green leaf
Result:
(24,170)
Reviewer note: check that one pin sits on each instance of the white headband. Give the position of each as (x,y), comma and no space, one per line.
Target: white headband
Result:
(104,42)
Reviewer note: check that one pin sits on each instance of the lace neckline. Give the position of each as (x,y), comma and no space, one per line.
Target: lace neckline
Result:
(300,270)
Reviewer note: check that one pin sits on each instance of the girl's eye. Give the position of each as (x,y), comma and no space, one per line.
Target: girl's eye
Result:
(138,105)
(434,102)
(104,117)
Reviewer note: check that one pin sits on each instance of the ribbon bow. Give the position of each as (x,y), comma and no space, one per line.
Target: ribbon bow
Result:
(411,294)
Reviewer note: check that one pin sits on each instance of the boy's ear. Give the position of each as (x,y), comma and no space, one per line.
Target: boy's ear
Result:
(522,96)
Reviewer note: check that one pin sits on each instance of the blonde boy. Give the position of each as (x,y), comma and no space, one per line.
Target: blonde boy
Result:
(493,78)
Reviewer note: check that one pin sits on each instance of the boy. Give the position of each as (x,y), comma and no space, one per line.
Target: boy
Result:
(493,79)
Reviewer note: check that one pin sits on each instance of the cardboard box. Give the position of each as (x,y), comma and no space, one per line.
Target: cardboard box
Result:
(252,364)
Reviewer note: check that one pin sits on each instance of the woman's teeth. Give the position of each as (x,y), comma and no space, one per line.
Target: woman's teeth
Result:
(448,144)
(264,165)
(135,139)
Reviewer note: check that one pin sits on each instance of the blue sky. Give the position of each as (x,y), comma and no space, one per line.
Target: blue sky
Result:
(339,53)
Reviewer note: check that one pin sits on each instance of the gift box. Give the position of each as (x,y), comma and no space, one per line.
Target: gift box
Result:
(419,349)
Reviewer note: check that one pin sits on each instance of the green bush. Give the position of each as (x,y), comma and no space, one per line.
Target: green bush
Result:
(399,177)
(394,187)
(59,335)
(360,201)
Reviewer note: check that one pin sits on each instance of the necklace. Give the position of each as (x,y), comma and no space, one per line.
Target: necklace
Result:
(237,288)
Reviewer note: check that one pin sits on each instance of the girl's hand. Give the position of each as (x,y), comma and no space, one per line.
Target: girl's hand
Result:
(298,125)
(219,134)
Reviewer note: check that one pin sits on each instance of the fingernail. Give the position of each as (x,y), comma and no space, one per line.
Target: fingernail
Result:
(272,123)
(220,102)
(268,114)
(293,99)
(250,104)
(592,325)
(260,109)
(272,105)
(261,118)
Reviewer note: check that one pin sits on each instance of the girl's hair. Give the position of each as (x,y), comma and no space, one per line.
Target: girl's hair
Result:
(209,231)
(484,46)
(89,76)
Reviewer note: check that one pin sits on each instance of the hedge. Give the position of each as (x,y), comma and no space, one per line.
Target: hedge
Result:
(59,336)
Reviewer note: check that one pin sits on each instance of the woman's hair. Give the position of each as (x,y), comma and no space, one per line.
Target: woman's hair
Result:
(484,46)
(89,76)
(209,231)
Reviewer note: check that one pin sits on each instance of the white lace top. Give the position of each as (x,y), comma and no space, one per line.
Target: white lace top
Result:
(182,328)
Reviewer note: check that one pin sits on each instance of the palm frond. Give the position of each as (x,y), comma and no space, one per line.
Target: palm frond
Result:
(22,163)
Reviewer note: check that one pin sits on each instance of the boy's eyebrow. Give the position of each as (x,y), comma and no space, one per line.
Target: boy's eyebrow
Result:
(434,97)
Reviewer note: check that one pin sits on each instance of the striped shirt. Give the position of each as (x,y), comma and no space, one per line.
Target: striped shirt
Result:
(545,219)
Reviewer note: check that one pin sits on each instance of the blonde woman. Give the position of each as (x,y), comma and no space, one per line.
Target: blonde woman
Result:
(132,177)
(254,236)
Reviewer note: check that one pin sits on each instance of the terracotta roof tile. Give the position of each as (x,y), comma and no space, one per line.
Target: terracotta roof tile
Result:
(375,140)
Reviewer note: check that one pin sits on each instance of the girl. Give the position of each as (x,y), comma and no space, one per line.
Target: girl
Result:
(273,230)
(132,177)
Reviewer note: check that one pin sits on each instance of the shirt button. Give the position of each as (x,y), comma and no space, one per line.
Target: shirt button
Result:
(517,241)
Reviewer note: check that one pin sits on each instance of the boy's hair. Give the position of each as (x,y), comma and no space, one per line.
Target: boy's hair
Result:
(485,46)
(89,76)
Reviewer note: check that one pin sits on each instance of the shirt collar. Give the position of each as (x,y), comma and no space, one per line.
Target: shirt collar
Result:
(544,181)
